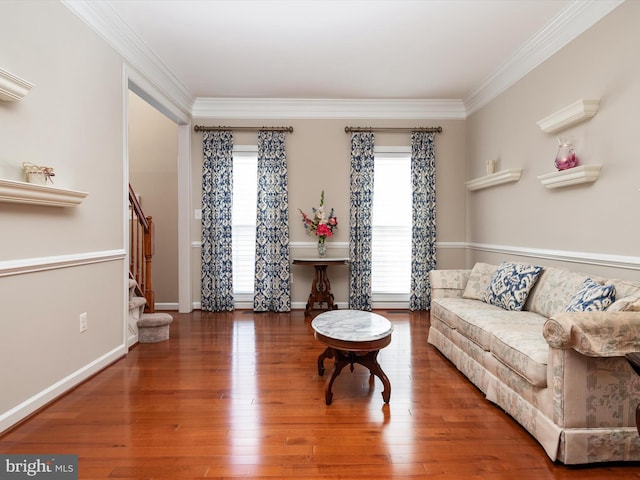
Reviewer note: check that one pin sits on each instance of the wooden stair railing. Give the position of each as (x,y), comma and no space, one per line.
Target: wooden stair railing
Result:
(141,245)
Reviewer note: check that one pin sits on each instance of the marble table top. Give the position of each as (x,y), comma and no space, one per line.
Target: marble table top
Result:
(352,325)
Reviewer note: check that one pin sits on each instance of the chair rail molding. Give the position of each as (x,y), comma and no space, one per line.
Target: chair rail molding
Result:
(588,258)
(41,264)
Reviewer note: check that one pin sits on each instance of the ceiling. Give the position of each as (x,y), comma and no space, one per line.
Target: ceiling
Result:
(348,49)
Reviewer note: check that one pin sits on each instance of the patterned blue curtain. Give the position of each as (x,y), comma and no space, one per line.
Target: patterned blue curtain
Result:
(360,212)
(216,279)
(423,243)
(272,289)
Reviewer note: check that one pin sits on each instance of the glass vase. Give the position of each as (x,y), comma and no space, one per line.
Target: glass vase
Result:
(322,247)
(566,156)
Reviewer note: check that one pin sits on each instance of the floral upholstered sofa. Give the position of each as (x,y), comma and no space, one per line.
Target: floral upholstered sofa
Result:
(547,345)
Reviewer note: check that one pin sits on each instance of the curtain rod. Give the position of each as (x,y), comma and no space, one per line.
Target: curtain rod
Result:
(393,129)
(200,128)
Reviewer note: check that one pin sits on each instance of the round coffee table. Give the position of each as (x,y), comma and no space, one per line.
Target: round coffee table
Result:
(352,336)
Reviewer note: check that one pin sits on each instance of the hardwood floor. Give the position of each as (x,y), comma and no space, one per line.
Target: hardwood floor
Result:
(238,394)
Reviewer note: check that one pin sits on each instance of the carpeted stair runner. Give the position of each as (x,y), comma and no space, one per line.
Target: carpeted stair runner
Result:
(152,327)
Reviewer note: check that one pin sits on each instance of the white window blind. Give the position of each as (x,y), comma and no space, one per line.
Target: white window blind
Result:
(245,195)
(391,225)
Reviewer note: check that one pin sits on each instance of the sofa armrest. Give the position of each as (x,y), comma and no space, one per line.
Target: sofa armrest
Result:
(448,283)
(595,334)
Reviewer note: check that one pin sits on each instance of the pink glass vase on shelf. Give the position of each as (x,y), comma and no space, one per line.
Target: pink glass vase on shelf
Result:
(566,156)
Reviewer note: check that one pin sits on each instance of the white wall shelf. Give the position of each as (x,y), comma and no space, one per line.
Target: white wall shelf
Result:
(34,194)
(571,176)
(498,178)
(577,112)
(12,87)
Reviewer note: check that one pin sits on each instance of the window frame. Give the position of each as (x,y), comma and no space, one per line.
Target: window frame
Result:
(384,299)
(244,299)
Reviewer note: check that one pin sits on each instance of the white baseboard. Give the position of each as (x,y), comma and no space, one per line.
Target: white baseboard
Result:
(132,340)
(29,406)
(173,306)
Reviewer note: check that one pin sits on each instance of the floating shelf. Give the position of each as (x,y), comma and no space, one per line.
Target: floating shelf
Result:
(33,194)
(573,114)
(571,176)
(12,87)
(498,178)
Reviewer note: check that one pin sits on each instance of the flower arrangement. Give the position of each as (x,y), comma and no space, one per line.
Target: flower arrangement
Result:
(320,225)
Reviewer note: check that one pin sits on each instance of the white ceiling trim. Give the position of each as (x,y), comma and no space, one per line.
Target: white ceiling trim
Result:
(279,108)
(570,23)
(104,20)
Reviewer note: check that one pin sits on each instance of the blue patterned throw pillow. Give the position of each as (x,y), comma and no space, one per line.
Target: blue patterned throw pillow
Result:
(511,284)
(592,296)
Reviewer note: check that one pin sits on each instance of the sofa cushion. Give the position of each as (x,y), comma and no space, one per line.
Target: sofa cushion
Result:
(625,288)
(511,284)
(479,280)
(478,321)
(523,349)
(553,291)
(623,304)
(450,310)
(591,296)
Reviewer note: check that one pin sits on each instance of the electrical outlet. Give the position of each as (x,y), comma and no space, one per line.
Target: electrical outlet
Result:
(83,322)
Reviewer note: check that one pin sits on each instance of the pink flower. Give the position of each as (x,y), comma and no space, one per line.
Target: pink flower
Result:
(323,230)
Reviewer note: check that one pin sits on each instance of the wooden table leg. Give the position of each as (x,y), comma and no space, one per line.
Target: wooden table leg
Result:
(370,360)
(342,359)
(328,353)
(320,291)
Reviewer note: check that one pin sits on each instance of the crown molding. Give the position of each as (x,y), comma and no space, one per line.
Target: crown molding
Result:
(104,20)
(571,22)
(289,108)
(575,19)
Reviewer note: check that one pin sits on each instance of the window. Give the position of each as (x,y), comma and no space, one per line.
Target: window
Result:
(245,198)
(391,225)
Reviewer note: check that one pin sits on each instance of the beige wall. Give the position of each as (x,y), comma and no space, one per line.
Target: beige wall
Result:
(153,173)
(318,155)
(56,263)
(597,219)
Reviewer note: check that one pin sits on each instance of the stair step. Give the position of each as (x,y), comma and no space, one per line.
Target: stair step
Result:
(136,302)
(154,327)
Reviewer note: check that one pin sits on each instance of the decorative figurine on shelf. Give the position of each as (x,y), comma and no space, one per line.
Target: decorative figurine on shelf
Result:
(320,225)
(38,174)
(566,156)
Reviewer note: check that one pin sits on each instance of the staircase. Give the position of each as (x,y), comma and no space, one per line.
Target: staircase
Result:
(141,246)
(144,324)
(147,327)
